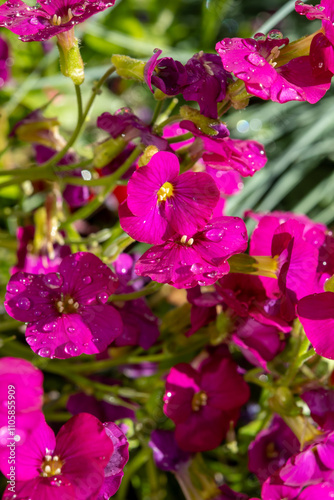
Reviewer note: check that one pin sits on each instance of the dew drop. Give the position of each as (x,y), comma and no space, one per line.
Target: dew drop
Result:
(71,348)
(23,303)
(275,35)
(78,11)
(53,280)
(87,280)
(33,21)
(102,297)
(45,352)
(255,59)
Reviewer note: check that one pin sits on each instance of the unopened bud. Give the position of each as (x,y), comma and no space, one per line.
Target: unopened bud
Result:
(129,68)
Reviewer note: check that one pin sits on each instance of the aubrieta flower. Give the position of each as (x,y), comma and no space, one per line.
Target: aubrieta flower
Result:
(271,449)
(322,55)
(4,62)
(316,314)
(67,312)
(256,62)
(202,403)
(202,79)
(185,261)
(49,18)
(244,157)
(21,399)
(77,463)
(166,453)
(162,202)
(127,125)
(321,404)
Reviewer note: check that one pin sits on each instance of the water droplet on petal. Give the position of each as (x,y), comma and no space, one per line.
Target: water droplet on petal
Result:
(275,35)
(87,280)
(33,21)
(53,280)
(23,303)
(255,59)
(259,37)
(71,348)
(102,297)
(78,11)
(44,352)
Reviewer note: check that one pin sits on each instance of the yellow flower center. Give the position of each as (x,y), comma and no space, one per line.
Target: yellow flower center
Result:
(199,399)
(166,191)
(51,466)
(67,305)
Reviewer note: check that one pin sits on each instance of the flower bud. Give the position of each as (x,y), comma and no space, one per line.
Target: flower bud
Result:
(129,68)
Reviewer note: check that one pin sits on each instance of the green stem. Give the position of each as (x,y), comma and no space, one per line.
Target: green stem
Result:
(93,205)
(61,416)
(156,112)
(147,290)
(180,138)
(81,118)
(10,324)
(135,464)
(172,119)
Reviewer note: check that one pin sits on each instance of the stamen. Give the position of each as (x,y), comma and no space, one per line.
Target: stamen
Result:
(47,469)
(54,19)
(76,305)
(166,191)
(184,239)
(190,242)
(199,399)
(70,301)
(59,21)
(69,14)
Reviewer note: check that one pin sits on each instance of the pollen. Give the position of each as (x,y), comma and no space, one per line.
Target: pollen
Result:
(184,240)
(51,466)
(199,399)
(67,305)
(166,191)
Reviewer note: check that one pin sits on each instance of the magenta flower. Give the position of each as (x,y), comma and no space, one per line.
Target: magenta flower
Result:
(4,62)
(49,18)
(256,62)
(202,403)
(161,202)
(316,314)
(200,259)
(71,465)
(21,396)
(322,46)
(113,473)
(66,312)
(245,157)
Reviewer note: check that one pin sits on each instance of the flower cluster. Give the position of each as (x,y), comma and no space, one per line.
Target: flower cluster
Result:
(159,315)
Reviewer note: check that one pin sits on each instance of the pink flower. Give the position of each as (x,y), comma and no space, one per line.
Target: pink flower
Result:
(202,403)
(201,258)
(75,464)
(50,18)
(4,62)
(161,202)
(245,157)
(21,395)
(316,314)
(255,61)
(66,312)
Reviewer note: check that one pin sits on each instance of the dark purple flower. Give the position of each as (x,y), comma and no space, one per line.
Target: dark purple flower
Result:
(202,403)
(66,312)
(271,449)
(140,326)
(71,465)
(124,123)
(4,62)
(163,202)
(203,79)
(256,62)
(49,18)
(201,259)
(166,453)
(104,411)
(75,196)
(21,399)
(40,262)
(245,157)
(207,82)
(166,74)
(321,404)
